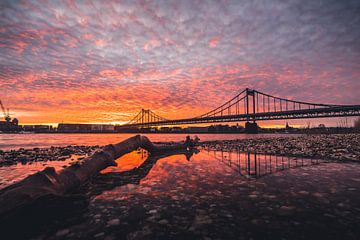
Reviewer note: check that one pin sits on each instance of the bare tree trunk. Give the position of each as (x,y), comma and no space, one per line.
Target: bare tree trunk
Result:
(50,183)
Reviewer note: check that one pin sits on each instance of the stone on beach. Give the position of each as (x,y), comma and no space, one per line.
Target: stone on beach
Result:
(340,147)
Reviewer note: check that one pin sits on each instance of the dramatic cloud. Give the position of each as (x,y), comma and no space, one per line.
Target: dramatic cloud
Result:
(102,61)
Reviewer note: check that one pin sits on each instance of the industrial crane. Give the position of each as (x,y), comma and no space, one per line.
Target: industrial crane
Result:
(6,114)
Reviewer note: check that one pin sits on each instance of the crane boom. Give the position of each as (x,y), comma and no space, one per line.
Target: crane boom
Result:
(3,108)
(6,115)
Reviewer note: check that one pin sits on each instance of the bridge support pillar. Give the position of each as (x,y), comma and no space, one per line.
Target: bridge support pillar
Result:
(251,127)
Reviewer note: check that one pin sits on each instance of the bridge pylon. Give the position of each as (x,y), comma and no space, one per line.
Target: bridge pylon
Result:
(250,127)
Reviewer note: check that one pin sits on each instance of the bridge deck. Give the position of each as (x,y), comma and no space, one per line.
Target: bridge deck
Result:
(325,112)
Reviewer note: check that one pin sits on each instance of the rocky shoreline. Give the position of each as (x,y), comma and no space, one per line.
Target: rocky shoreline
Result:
(340,147)
(44,154)
(329,147)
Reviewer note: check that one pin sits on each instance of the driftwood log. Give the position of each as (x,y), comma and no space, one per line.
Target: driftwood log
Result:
(48,189)
(108,181)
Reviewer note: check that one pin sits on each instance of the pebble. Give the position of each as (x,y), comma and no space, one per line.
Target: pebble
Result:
(286,210)
(153,211)
(99,234)
(62,232)
(303,192)
(330,146)
(45,154)
(163,222)
(113,222)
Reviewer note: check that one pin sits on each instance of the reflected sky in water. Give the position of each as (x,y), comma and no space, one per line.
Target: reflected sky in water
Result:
(206,170)
(14,173)
(210,196)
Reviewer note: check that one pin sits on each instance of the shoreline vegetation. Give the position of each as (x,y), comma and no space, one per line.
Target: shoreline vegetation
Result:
(339,147)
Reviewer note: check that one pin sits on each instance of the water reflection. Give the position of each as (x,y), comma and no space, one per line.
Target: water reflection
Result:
(169,197)
(255,165)
(108,179)
(14,173)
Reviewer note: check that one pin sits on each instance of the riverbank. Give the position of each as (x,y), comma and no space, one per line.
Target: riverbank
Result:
(327,146)
(330,147)
(45,154)
(176,197)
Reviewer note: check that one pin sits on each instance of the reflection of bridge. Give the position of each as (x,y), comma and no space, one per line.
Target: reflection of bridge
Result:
(251,105)
(254,165)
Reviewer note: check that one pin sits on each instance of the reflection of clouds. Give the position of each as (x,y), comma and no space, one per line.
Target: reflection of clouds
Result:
(109,59)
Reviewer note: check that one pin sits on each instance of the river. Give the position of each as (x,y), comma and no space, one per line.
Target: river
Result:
(32,140)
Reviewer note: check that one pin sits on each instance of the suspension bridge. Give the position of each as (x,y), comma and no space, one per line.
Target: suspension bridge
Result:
(250,106)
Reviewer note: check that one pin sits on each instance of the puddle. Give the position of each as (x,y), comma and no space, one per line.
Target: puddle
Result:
(214,195)
(14,173)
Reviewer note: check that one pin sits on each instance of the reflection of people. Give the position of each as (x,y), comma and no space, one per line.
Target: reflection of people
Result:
(191,143)
(188,139)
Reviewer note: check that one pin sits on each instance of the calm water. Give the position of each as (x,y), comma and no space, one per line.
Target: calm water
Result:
(16,141)
(248,165)
(213,195)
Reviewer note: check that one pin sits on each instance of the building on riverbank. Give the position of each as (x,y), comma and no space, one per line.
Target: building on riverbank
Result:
(10,126)
(85,128)
(38,128)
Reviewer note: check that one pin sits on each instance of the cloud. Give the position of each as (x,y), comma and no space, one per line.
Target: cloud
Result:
(103,61)
(213,42)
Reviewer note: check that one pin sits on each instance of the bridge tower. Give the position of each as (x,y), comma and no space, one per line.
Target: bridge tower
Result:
(250,127)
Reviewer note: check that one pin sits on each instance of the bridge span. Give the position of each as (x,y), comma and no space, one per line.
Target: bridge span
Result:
(250,106)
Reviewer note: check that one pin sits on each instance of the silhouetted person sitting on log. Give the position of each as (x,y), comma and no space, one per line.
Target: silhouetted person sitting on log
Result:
(191,143)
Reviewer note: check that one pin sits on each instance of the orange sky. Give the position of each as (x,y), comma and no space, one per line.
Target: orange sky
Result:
(101,62)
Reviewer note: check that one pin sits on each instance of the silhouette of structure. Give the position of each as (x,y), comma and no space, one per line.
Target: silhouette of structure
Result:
(251,106)
(255,165)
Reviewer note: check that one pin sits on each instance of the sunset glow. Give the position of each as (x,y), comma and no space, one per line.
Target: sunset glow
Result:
(102,61)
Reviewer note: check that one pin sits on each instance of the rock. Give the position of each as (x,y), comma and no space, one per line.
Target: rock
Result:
(286,210)
(304,192)
(101,234)
(62,232)
(200,219)
(113,222)
(152,211)
(163,222)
